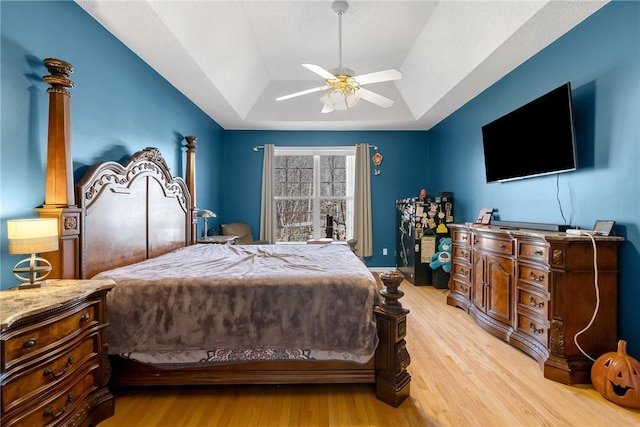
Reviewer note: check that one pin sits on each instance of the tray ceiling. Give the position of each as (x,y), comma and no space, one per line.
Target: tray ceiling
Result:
(233,58)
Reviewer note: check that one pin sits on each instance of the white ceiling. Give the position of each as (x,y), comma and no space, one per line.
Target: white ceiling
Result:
(233,58)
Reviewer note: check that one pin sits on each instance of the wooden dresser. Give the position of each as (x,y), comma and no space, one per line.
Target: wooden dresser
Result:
(54,358)
(536,290)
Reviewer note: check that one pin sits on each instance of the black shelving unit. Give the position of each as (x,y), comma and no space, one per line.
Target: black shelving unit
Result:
(420,224)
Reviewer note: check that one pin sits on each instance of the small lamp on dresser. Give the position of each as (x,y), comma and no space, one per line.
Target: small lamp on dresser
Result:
(32,236)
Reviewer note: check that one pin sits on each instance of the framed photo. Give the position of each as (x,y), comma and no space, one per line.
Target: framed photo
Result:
(603,227)
(484,216)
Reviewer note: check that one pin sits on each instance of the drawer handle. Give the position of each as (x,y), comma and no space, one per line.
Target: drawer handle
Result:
(50,412)
(502,246)
(533,302)
(535,278)
(463,271)
(30,343)
(464,254)
(85,318)
(61,372)
(538,252)
(463,238)
(533,328)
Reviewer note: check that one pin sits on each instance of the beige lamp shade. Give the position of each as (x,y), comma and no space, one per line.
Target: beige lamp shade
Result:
(31,236)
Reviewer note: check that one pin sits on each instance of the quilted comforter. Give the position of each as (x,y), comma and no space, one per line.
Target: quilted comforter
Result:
(309,301)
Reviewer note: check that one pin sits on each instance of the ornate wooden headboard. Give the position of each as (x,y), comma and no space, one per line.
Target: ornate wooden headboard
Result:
(131,212)
(125,212)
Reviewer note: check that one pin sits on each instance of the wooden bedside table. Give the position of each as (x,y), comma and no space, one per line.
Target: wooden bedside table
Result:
(222,240)
(54,364)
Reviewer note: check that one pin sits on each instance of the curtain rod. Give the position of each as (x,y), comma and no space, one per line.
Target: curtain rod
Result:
(259,147)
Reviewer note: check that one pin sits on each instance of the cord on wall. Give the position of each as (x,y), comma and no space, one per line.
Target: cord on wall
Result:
(597,307)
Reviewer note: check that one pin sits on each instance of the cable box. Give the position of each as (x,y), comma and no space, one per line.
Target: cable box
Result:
(530,225)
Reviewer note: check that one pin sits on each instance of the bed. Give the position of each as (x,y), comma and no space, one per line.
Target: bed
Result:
(136,223)
(125,217)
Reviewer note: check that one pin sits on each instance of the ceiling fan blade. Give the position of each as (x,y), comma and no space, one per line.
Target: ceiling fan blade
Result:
(302,92)
(375,98)
(320,71)
(378,76)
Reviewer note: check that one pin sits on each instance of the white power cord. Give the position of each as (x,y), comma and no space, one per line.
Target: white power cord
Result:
(595,311)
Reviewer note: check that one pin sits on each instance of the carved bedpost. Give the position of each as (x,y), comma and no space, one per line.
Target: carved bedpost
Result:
(392,358)
(59,199)
(191,185)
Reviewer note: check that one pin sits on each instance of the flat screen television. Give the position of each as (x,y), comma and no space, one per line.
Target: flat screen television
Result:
(535,139)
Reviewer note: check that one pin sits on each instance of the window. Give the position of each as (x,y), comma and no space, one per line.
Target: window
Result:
(313,193)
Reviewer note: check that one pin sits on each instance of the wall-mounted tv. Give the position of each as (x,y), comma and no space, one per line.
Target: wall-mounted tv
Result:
(535,139)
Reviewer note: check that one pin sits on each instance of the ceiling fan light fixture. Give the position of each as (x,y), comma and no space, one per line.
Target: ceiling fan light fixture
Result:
(344,87)
(339,100)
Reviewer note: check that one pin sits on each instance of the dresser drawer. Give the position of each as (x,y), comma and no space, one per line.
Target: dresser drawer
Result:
(497,245)
(461,286)
(42,337)
(49,373)
(534,327)
(533,275)
(462,253)
(537,252)
(462,271)
(533,302)
(461,237)
(63,404)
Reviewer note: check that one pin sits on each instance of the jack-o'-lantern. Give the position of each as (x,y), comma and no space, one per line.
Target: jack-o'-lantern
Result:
(616,376)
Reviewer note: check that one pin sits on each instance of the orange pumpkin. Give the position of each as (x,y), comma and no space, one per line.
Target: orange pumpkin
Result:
(616,376)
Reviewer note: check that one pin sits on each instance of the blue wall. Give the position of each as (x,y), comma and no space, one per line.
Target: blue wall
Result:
(601,59)
(402,174)
(120,105)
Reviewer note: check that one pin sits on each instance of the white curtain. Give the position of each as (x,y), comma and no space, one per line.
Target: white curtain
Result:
(362,227)
(266,214)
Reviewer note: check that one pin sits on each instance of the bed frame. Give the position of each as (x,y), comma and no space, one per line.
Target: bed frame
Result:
(137,210)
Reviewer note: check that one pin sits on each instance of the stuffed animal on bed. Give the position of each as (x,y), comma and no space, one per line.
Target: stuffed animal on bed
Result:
(442,258)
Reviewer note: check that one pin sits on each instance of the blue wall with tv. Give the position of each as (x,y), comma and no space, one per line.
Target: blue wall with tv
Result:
(601,59)
(120,105)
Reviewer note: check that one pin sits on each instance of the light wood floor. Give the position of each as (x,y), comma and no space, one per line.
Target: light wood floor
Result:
(461,376)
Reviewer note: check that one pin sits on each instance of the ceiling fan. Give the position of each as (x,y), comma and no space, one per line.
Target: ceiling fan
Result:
(345,89)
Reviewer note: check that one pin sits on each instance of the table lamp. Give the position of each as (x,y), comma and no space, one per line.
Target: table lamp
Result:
(32,236)
(204,213)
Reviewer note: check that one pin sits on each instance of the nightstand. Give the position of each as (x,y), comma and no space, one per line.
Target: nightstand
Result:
(54,364)
(220,239)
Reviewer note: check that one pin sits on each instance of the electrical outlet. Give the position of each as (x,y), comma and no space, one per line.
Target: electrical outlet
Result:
(384,251)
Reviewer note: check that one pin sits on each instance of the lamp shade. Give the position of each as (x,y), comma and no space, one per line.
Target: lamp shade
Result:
(30,236)
(205,213)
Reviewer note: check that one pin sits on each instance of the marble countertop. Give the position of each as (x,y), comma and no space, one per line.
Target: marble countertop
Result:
(16,304)
(527,232)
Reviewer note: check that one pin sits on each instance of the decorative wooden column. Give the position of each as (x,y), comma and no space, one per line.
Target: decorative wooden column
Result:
(59,199)
(392,379)
(191,184)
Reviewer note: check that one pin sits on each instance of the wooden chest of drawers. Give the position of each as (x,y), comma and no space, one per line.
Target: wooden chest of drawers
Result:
(536,290)
(54,366)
